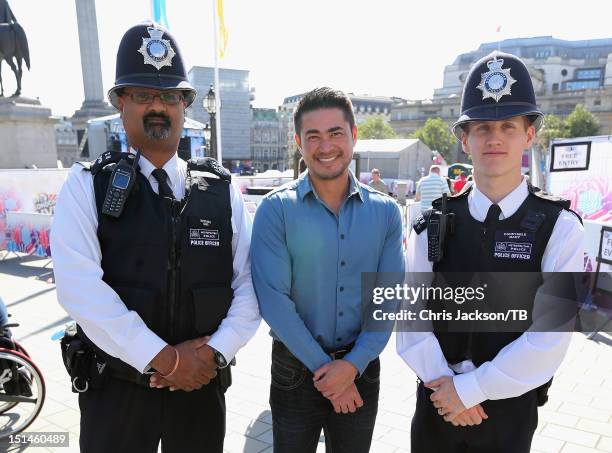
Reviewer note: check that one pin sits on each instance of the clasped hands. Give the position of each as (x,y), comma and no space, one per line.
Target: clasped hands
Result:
(446,400)
(196,366)
(336,382)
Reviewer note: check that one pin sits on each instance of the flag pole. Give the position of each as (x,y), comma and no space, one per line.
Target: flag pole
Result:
(217,90)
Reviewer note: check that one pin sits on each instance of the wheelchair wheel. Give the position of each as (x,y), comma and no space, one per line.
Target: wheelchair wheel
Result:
(7,405)
(21,349)
(20,405)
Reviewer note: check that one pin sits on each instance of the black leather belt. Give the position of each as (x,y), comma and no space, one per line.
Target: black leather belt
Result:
(340,353)
(131,375)
(336,354)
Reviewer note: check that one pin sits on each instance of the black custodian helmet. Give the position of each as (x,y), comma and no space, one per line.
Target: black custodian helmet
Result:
(498,87)
(149,57)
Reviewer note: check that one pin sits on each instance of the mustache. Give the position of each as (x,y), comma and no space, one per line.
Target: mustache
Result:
(161,116)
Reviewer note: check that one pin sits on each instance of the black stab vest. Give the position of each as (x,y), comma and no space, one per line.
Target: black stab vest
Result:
(515,244)
(169,260)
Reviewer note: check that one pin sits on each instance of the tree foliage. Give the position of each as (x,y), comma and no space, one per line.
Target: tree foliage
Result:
(579,123)
(436,134)
(554,127)
(375,127)
(582,123)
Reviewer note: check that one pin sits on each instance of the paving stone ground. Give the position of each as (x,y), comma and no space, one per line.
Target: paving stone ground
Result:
(577,418)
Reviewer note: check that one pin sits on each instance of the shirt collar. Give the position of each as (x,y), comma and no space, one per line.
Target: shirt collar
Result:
(508,205)
(171,167)
(304,187)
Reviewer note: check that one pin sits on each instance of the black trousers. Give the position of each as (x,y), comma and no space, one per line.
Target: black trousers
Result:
(123,417)
(509,428)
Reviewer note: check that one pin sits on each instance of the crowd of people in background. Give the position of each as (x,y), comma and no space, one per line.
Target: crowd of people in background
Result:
(428,188)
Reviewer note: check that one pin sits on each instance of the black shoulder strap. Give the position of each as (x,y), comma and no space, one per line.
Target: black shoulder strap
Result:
(437,203)
(420,224)
(106,158)
(208,165)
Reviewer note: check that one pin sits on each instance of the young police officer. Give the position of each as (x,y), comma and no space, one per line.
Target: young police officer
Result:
(152,261)
(481,395)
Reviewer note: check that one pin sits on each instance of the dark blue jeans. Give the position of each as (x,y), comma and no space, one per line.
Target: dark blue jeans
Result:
(299,411)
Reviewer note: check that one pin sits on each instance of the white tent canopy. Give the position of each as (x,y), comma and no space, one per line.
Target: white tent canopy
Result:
(401,158)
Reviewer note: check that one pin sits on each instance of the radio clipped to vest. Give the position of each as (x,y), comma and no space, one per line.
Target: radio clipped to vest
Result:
(439,223)
(121,183)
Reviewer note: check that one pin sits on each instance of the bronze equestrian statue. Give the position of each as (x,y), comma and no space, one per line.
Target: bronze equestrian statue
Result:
(13,45)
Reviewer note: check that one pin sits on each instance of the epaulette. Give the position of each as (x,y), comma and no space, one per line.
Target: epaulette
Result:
(437,203)
(106,158)
(208,165)
(420,224)
(563,202)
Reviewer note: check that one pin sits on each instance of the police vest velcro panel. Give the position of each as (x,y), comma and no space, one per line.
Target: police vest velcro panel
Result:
(515,244)
(170,260)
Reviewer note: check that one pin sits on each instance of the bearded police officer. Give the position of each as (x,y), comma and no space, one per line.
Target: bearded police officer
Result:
(151,259)
(480,391)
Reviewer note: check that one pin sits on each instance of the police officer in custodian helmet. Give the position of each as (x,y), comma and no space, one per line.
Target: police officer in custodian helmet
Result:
(479,391)
(151,258)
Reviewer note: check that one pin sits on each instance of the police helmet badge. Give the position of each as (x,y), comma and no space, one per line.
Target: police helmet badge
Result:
(156,51)
(496,82)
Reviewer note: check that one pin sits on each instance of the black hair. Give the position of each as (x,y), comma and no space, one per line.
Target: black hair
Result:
(323,98)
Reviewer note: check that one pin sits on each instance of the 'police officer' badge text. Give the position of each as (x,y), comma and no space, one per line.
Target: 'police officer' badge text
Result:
(200,237)
(156,51)
(496,82)
(513,245)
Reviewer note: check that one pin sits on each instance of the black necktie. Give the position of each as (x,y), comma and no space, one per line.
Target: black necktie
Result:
(162,179)
(492,215)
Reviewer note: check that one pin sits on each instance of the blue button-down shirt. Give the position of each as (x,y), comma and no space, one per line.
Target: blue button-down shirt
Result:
(307,264)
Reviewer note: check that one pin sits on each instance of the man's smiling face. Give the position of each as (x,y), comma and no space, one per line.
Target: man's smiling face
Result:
(326,141)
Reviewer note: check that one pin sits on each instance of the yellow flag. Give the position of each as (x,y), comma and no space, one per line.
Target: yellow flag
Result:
(223,34)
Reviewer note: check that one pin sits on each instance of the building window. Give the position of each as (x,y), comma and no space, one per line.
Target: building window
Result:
(581,85)
(597,102)
(585,74)
(563,72)
(555,86)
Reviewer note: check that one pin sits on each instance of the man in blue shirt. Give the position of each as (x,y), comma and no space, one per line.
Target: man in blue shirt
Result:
(312,240)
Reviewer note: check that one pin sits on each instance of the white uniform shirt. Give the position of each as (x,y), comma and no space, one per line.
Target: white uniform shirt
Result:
(527,362)
(99,310)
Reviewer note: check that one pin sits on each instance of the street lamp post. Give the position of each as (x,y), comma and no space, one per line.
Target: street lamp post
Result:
(207,140)
(210,106)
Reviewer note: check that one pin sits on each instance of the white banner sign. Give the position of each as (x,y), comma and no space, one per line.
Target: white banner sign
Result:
(571,156)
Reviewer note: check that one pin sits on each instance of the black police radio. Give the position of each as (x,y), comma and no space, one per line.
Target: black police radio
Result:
(121,183)
(438,225)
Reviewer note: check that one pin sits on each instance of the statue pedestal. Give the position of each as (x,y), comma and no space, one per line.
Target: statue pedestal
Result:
(27,135)
(89,110)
